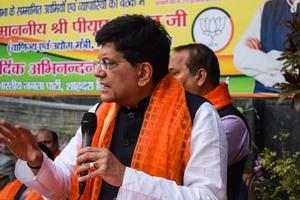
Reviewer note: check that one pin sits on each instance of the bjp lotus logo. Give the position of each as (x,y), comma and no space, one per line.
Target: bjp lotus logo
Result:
(213,27)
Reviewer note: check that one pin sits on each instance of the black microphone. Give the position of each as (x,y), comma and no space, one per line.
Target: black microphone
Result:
(88,127)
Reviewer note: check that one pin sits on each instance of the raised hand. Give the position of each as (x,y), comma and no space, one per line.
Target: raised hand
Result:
(102,163)
(21,142)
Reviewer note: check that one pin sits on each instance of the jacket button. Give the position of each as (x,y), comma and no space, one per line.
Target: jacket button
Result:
(131,115)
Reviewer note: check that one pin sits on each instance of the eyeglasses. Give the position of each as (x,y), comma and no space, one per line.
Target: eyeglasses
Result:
(106,64)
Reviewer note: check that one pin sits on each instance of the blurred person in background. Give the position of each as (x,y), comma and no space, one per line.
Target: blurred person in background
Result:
(49,138)
(7,166)
(16,190)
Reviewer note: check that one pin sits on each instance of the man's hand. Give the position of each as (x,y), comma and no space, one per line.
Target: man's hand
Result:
(253,43)
(21,143)
(105,164)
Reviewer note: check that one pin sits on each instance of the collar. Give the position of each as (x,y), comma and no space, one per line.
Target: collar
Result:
(293,5)
(142,106)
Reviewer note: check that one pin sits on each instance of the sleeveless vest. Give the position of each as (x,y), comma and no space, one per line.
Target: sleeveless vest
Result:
(235,171)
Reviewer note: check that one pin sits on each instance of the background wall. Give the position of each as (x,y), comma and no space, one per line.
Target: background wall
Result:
(267,118)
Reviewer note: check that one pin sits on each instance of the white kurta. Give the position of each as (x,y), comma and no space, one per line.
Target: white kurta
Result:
(204,177)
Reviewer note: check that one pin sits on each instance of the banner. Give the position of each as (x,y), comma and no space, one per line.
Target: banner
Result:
(48,47)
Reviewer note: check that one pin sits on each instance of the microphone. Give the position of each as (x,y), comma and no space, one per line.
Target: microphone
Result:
(88,127)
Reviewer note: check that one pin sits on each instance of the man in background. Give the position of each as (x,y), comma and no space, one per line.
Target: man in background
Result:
(49,138)
(197,67)
(7,166)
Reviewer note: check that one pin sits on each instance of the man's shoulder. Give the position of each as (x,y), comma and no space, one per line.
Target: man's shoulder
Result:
(194,102)
(229,110)
(95,107)
(232,110)
(275,4)
(5,160)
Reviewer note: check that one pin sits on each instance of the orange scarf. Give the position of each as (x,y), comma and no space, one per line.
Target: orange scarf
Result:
(219,97)
(56,153)
(162,148)
(10,190)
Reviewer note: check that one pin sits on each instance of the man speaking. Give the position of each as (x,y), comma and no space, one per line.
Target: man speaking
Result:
(153,140)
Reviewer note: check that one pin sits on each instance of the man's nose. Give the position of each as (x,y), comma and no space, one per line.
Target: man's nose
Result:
(99,73)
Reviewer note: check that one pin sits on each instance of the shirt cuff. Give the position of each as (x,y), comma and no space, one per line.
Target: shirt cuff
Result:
(131,188)
(129,178)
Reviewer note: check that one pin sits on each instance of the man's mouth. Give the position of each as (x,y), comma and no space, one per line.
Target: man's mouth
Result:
(103,85)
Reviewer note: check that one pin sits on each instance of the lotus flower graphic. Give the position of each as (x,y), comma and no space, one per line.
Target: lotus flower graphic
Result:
(212,27)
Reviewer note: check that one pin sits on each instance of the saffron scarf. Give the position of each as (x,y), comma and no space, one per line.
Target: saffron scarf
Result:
(11,189)
(219,97)
(163,146)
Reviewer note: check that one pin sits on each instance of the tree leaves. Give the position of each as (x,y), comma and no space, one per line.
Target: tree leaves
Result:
(291,66)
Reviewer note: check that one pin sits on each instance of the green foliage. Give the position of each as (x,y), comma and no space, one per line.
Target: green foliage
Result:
(281,173)
(291,66)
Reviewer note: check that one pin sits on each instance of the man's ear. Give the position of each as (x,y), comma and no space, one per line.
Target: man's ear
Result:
(201,76)
(144,73)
